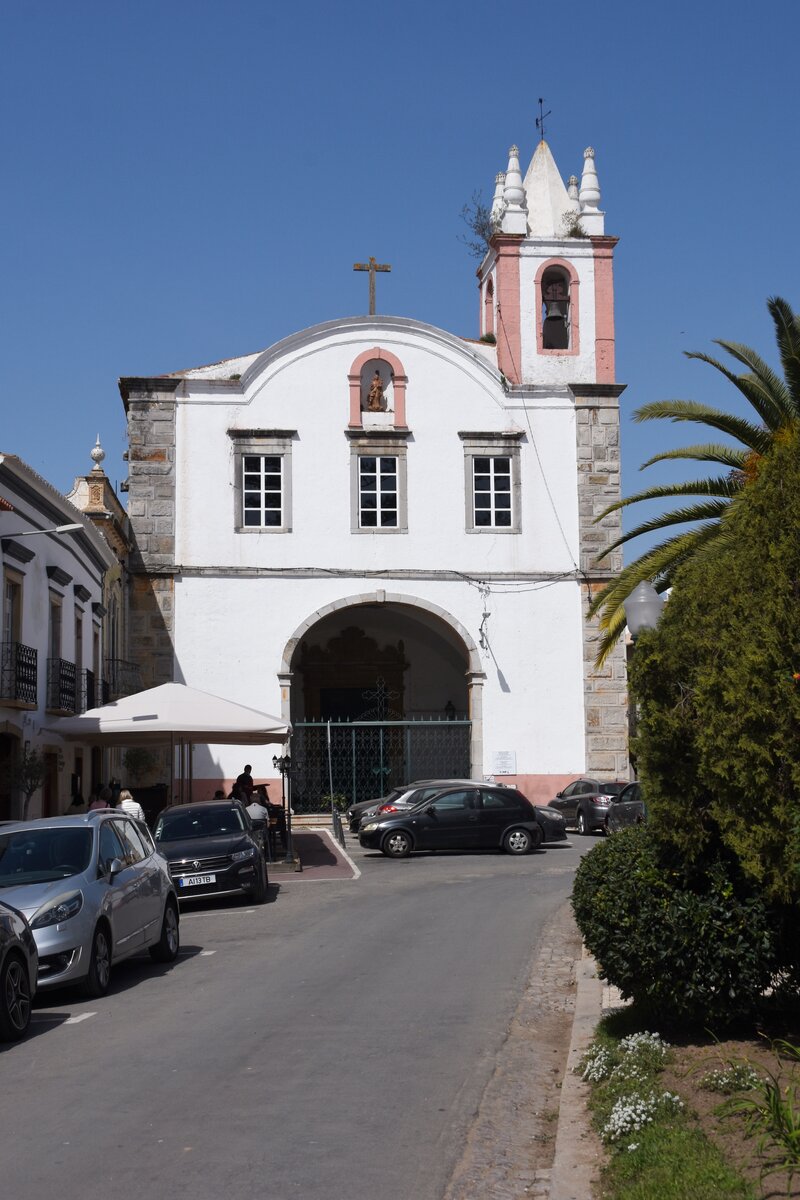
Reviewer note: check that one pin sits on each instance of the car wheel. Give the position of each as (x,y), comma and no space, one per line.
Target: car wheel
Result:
(97,981)
(166,948)
(583,828)
(397,844)
(517,841)
(259,892)
(15,999)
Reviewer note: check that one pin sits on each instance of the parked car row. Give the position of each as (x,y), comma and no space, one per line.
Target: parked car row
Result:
(589,805)
(459,815)
(82,893)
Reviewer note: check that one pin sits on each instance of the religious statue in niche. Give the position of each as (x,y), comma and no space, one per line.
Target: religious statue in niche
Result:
(375,398)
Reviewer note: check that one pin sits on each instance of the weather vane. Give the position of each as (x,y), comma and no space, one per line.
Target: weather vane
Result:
(541,117)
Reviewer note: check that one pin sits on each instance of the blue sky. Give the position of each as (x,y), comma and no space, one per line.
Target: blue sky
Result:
(188,180)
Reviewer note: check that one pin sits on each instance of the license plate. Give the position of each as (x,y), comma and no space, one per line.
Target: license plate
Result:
(196,880)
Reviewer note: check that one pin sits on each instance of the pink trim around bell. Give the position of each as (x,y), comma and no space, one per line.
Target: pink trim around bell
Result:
(603,248)
(509,347)
(574,308)
(399,381)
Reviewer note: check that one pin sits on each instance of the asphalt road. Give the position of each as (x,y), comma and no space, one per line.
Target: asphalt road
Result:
(333,1044)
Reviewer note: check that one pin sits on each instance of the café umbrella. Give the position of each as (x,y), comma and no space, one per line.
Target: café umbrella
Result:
(174,713)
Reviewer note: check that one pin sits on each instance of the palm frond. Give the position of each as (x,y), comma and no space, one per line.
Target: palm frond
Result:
(746,432)
(723,486)
(712,511)
(787,333)
(728,456)
(657,566)
(762,388)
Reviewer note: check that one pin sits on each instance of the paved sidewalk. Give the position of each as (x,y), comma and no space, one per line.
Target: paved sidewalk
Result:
(532,1136)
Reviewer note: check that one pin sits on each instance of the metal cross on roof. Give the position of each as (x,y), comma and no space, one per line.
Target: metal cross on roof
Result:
(372,266)
(541,117)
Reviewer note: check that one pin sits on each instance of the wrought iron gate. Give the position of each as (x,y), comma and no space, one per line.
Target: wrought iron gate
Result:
(369,758)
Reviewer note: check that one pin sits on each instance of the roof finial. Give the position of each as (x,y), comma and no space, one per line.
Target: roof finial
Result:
(498,203)
(541,117)
(98,454)
(515,218)
(590,184)
(592,218)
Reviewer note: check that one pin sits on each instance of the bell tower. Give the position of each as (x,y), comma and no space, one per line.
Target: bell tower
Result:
(546,283)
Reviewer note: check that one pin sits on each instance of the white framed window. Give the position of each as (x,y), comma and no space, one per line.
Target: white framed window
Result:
(262,491)
(262,480)
(491,491)
(492,482)
(378,491)
(378,482)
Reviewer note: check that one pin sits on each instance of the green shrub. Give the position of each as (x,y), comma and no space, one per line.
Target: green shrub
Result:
(694,948)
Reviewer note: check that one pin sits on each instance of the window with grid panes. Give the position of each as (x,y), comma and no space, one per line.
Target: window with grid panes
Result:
(377,491)
(262,490)
(491,491)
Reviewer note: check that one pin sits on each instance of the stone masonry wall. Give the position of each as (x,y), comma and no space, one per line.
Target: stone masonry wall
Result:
(151,508)
(606,689)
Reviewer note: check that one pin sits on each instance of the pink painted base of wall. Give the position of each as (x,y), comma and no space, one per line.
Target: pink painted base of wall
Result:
(203,789)
(539,789)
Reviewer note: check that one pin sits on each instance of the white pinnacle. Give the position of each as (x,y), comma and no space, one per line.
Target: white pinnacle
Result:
(590,185)
(515,218)
(498,204)
(592,218)
(97,454)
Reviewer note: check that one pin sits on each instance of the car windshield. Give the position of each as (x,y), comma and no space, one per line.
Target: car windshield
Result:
(181,826)
(43,855)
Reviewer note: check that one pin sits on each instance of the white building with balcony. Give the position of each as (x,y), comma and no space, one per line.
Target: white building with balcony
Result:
(51,655)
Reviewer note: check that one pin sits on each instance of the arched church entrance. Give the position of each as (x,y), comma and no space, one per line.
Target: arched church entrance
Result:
(379,692)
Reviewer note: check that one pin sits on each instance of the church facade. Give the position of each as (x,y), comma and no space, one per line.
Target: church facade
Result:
(384,532)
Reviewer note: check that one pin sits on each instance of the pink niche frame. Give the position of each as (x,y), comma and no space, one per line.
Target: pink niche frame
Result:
(574,308)
(399,381)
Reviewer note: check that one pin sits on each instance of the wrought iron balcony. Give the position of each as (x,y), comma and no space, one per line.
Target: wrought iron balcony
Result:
(61,685)
(122,679)
(18,672)
(91,691)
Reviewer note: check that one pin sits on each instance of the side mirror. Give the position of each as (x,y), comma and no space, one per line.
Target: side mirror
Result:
(431,810)
(559,795)
(117,865)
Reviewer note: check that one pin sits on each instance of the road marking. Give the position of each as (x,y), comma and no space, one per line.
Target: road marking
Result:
(215,912)
(80,1017)
(207,953)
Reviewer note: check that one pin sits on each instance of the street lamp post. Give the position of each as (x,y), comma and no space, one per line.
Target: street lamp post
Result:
(642,612)
(35,532)
(283,764)
(642,608)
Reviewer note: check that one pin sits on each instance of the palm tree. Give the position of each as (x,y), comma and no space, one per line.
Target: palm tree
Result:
(776,403)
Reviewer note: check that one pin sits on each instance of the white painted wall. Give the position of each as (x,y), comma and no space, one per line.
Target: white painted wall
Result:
(231,630)
(450,389)
(231,633)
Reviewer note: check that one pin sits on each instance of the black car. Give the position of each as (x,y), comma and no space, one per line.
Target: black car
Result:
(626,809)
(462,818)
(213,849)
(407,796)
(584,802)
(18,969)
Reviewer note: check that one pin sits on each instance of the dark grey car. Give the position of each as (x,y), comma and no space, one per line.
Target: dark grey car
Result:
(19,963)
(627,808)
(585,802)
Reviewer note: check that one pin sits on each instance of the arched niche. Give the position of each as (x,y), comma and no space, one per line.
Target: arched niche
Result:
(375,407)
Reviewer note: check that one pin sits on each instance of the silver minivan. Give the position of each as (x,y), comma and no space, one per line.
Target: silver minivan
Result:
(94,889)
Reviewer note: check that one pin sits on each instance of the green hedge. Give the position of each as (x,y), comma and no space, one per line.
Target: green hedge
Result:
(697,949)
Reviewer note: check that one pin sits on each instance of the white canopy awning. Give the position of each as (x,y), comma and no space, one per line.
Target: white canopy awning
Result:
(172,711)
